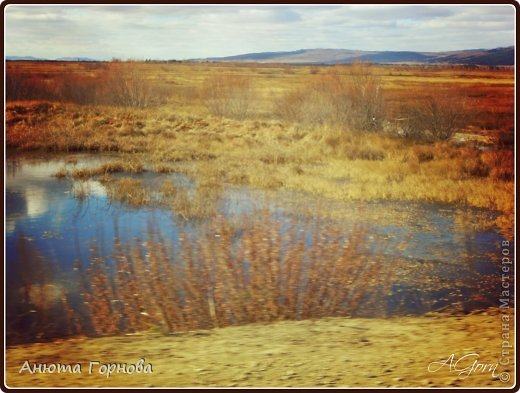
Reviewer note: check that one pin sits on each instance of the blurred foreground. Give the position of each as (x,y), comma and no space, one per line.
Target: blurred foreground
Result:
(330,352)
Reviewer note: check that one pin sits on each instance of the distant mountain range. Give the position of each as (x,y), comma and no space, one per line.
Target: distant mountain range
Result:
(497,56)
(492,57)
(32,58)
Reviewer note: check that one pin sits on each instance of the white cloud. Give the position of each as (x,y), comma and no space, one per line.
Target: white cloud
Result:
(169,31)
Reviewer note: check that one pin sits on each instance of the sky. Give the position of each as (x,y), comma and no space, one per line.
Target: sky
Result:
(186,32)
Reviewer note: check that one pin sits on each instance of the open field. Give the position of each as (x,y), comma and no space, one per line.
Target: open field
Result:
(489,93)
(261,145)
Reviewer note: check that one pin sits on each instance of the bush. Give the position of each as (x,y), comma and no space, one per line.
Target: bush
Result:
(434,118)
(423,155)
(364,89)
(227,96)
(78,89)
(501,164)
(353,100)
(120,84)
(125,85)
(312,105)
(474,167)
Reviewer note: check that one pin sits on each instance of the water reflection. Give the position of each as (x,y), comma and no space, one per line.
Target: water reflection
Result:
(36,201)
(421,256)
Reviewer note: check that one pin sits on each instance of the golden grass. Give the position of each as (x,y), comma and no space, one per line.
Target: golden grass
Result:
(128,190)
(60,173)
(128,166)
(263,151)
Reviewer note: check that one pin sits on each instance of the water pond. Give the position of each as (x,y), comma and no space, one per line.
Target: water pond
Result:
(418,257)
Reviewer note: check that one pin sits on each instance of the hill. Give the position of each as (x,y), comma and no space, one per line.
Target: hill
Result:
(32,58)
(490,57)
(494,57)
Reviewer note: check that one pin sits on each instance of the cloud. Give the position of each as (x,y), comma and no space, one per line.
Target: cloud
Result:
(171,31)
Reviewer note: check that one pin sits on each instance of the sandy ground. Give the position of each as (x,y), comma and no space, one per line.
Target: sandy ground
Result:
(331,352)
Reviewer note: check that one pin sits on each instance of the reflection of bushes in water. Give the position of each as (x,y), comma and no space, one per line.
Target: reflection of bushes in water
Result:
(255,270)
(37,307)
(262,272)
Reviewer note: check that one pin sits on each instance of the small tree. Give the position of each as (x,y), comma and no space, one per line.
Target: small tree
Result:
(354,100)
(365,92)
(126,86)
(435,117)
(315,103)
(227,96)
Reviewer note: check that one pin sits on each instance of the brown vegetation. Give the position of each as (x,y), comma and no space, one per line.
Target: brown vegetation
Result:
(298,130)
(351,100)
(342,133)
(128,166)
(128,190)
(227,96)
(433,118)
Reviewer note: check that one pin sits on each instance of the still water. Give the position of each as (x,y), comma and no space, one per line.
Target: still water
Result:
(443,243)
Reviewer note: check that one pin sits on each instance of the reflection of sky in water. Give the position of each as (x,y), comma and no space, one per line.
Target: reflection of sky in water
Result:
(36,201)
(43,209)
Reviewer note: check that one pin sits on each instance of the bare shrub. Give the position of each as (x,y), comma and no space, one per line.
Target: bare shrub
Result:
(15,88)
(319,102)
(364,90)
(306,106)
(227,96)
(436,117)
(352,100)
(33,87)
(501,164)
(78,89)
(125,85)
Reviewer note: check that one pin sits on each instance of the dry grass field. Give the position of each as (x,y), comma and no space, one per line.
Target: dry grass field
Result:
(360,132)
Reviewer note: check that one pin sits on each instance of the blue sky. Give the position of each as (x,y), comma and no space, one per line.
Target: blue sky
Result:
(183,32)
